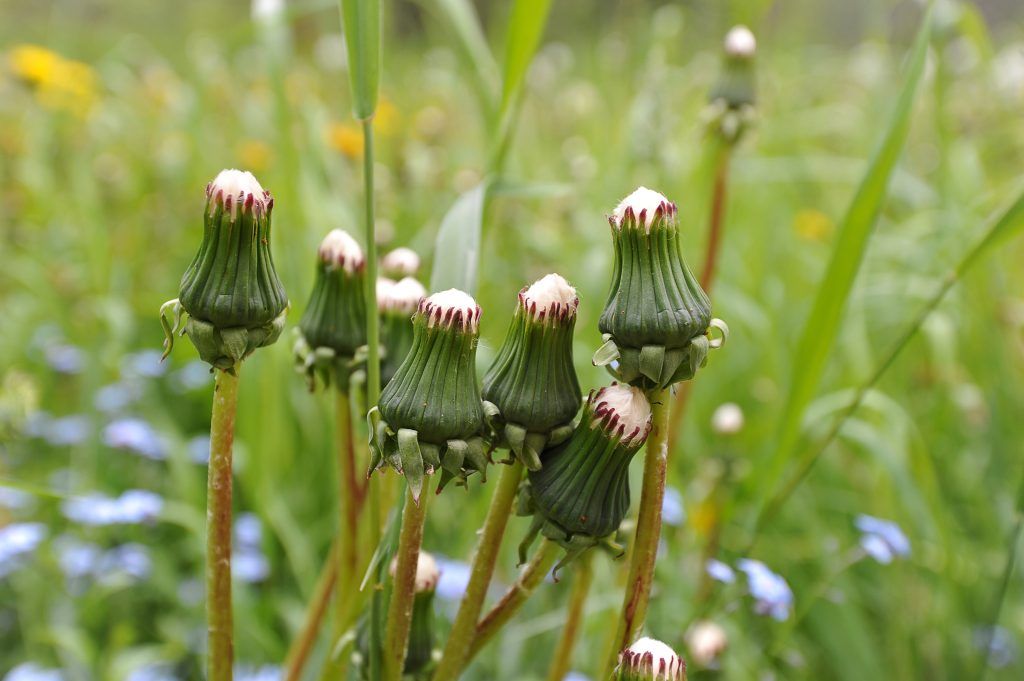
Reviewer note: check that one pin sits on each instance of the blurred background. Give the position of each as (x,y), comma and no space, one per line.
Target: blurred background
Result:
(114,116)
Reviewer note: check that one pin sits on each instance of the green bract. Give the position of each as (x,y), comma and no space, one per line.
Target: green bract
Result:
(231,301)
(333,327)
(396,302)
(430,414)
(656,320)
(581,494)
(531,390)
(649,660)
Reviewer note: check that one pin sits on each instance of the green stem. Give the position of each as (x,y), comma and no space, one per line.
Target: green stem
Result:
(218,527)
(582,580)
(516,596)
(302,646)
(648,532)
(370,236)
(459,640)
(349,495)
(396,638)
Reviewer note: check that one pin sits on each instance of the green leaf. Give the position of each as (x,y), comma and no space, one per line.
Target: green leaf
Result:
(361,22)
(457,247)
(819,333)
(466,24)
(525,29)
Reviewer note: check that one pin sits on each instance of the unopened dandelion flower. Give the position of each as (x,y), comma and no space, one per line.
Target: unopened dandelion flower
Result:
(650,660)
(401,262)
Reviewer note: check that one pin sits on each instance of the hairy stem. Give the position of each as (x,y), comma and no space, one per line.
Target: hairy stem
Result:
(648,532)
(302,646)
(582,580)
(457,647)
(516,596)
(396,638)
(218,527)
(349,502)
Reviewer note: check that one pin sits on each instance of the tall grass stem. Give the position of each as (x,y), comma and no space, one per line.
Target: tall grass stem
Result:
(316,609)
(581,581)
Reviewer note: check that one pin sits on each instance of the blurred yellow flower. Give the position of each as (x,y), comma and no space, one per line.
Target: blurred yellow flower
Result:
(812,225)
(385,120)
(346,138)
(59,83)
(254,155)
(705,517)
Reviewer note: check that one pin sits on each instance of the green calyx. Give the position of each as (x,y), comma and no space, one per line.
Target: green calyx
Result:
(531,389)
(657,315)
(396,335)
(430,414)
(221,348)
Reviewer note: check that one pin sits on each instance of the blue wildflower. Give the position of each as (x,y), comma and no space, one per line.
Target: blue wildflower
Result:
(883,540)
(576,676)
(248,530)
(144,363)
(131,508)
(16,541)
(672,511)
(154,671)
(267,672)
(128,560)
(77,559)
(250,566)
(59,432)
(116,397)
(30,671)
(14,499)
(1002,649)
(135,435)
(719,571)
(65,359)
(194,375)
(454,578)
(771,593)
(199,449)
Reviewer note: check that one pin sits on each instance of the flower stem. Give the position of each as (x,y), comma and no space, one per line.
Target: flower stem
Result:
(370,290)
(648,532)
(400,609)
(461,637)
(582,580)
(218,526)
(298,654)
(349,502)
(505,609)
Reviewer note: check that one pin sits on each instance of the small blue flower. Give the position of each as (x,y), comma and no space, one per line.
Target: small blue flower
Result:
(1002,649)
(128,560)
(135,435)
(154,671)
(144,363)
(719,571)
(192,376)
(17,540)
(771,593)
(116,397)
(250,566)
(59,432)
(65,359)
(131,508)
(139,506)
(30,671)
(454,578)
(248,531)
(77,559)
(883,540)
(14,499)
(576,676)
(672,511)
(267,672)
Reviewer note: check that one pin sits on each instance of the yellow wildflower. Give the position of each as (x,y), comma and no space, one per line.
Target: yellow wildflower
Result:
(254,155)
(346,138)
(385,120)
(812,225)
(59,83)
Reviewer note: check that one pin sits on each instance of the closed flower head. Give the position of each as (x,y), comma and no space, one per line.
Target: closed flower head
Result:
(531,390)
(650,660)
(401,262)
(396,303)
(733,96)
(740,43)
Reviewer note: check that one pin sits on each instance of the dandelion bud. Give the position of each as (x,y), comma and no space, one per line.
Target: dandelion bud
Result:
(531,388)
(234,301)
(401,262)
(396,304)
(706,641)
(334,324)
(581,493)
(656,320)
(650,660)
(430,414)
(733,96)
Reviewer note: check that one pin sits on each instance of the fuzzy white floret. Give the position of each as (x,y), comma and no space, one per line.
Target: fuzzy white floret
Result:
(631,407)
(427,572)
(341,250)
(441,308)
(706,641)
(727,419)
(383,286)
(740,42)
(401,262)
(551,290)
(236,182)
(403,296)
(643,199)
(661,653)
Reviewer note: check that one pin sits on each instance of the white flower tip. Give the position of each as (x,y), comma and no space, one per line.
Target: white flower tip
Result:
(727,419)
(383,286)
(401,262)
(550,297)
(267,10)
(233,188)
(654,659)
(451,308)
(339,249)
(706,640)
(643,206)
(427,573)
(740,42)
(402,297)
(624,412)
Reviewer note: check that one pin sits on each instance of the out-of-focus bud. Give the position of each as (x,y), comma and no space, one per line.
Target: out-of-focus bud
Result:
(706,640)
(531,390)
(733,97)
(580,495)
(650,660)
(727,419)
(430,414)
(231,301)
(396,304)
(399,263)
(657,318)
(333,327)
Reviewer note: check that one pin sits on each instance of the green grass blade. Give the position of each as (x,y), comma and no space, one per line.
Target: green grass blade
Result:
(466,24)
(361,23)
(822,326)
(457,248)
(525,29)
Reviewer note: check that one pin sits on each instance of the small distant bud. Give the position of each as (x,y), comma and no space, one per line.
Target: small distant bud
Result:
(650,660)
(383,286)
(655,322)
(727,419)
(397,303)
(706,641)
(339,249)
(427,572)
(403,298)
(532,383)
(401,262)
(420,650)
(740,42)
